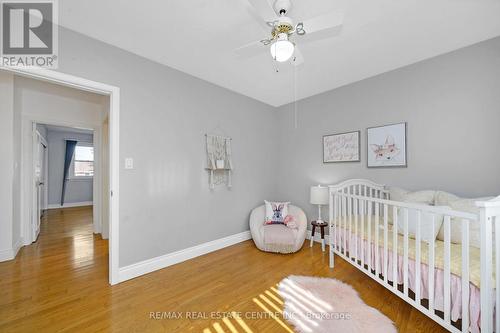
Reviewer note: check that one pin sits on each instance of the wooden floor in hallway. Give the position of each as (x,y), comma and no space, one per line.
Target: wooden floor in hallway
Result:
(60,284)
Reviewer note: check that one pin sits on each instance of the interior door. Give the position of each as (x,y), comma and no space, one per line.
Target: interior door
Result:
(39,170)
(42,181)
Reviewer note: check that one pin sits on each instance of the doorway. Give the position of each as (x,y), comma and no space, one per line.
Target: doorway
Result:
(28,196)
(66,171)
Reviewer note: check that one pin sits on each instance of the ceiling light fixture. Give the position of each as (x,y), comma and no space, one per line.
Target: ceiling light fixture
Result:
(282,49)
(285,32)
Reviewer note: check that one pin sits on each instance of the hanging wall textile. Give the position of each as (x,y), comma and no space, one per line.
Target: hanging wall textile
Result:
(219,162)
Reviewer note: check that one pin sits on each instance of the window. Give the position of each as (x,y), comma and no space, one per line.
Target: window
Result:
(83,160)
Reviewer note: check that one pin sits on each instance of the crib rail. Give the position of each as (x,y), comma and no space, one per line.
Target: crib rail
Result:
(374,234)
(490,248)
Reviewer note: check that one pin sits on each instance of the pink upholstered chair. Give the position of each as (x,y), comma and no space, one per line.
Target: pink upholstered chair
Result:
(278,237)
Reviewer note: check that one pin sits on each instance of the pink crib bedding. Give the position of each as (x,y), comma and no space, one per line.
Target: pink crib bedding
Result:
(455,281)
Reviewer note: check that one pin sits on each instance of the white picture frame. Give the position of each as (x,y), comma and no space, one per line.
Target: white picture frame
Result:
(342,147)
(387,146)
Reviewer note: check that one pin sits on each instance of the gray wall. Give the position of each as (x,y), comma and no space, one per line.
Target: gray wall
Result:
(165,202)
(451,104)
(16,177)
(7,163)
(77,190)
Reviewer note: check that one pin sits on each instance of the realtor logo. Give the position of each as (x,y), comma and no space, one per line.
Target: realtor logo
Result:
(29,33)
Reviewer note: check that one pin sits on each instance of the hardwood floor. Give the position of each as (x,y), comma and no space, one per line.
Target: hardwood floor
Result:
(60,283)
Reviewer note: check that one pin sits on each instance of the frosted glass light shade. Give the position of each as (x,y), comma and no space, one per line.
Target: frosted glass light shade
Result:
(282,50)
(319,195)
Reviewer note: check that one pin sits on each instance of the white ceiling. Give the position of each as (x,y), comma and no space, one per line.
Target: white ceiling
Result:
(198,37)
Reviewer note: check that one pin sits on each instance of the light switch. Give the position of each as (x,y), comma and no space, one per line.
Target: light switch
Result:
(129,163)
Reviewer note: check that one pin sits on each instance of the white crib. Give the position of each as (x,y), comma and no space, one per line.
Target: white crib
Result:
(361,233)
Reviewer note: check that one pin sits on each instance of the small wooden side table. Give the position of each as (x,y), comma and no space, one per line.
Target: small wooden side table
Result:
(322,227)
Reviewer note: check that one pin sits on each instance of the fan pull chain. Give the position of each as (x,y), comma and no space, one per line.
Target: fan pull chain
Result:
(296,125)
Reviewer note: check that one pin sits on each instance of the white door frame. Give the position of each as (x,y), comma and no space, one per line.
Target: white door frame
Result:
(46,176)
(37,139)
(114,148)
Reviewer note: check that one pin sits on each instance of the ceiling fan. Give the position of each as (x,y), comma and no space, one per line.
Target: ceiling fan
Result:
(284,33)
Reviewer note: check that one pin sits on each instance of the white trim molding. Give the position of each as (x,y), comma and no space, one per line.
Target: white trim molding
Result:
(7,254)
(71,204)
(151,265)
(10,254)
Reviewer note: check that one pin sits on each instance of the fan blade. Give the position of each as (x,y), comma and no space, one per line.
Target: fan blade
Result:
(297,58)
(264,10)
(250,49)
(323,26)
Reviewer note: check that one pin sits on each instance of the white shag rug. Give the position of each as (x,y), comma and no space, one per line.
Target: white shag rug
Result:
(317,305)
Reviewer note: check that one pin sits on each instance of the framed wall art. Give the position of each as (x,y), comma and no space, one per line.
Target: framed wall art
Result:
(342,147)
(386,146)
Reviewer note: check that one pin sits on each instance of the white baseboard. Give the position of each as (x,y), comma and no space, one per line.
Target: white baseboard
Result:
(317,236)
(150,265)
(19,244)
(7,254)
(10,254)
(26,242)
(71,204)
